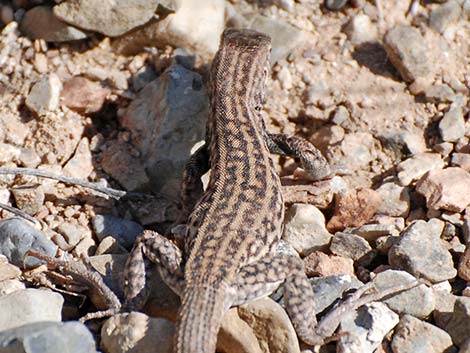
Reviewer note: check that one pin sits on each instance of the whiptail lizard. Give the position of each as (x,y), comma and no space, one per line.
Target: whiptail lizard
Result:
(229,251)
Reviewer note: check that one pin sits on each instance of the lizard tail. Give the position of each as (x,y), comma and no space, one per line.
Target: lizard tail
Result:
(200,317)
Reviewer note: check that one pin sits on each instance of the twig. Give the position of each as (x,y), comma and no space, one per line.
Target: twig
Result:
(328,324)
(20,213)
(114,193)
(91,278)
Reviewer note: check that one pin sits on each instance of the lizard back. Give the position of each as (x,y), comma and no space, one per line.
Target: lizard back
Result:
(241,213)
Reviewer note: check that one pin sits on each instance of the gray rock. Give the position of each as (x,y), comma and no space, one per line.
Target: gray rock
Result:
(166,119)
(123,230)
(18,236)
(285,38)
(72,232)
(305,229)
(10,285)
(439,94)
(405,302)
(415,167)
(328,289)
(465,347)
(29,305)
(335,4)
(349,245)
(421,252)
(452,125)
(44,95)
(413,335)
(111,267)
(458,327)
(81,164)
(403,142)
(40,23)
(461,160)
(441,17)
(395,200)
(110,17)
(365,328)
(137,332)
(407,51)
(181,29)
(48,337)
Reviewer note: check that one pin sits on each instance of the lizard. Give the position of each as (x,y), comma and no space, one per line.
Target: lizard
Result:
(228,253)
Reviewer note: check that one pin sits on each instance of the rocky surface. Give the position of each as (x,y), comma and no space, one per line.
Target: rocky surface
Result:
(115,92)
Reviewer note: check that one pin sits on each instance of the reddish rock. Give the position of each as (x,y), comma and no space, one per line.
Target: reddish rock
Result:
(446,189)
(83,95)
(321,264)
(353,209)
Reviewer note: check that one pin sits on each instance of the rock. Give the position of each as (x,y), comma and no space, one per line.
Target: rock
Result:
(285,38)
(407,51)
(111,268)
(353,209)
(444,308)
(110,245)
(465,347)
(458,327)
(360,29)
(365,328)
(29,305)
(48,337)
(137,333)
(81,164)
(403,142)
(405,302)
(452,125)
(464,265)
(421,252)
(236,335)
(413,335)
(40,23)
(305,229)
(123,230)
(446,189)
(461,160)
(10,285)
(119,161)
(341,115)
(395,200)
(86,247)
(73,232)
(356,150)
(371,232)
(439,94)
(8,153)
(29,158)
(29,198)
(15,129)
(17,237)
(415,167)
(444,15)
(349,245)
(7,270)
(320,264)
(181,29)
(335,4)
(44,95)
(111,18)
(271,325)
(166,119)
(328,289)
(83,95)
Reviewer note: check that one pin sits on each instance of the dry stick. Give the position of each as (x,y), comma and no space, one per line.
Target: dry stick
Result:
(114,193)
(93,280)
(20,213)
(328,324)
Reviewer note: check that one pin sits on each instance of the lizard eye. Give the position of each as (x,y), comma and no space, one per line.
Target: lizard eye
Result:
(258,108)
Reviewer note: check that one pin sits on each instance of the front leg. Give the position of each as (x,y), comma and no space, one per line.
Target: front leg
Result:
(151,247)
(311,159)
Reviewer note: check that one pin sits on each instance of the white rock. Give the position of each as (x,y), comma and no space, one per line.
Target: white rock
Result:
(29,305)
(365,329)
(305,229)
(45,94)
(413,168)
